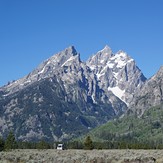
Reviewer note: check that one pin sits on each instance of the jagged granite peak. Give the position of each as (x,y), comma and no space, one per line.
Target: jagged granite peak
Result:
(46,69)
(71,49)
(106,50)
(150,94)
(60,58)
(69,55)
(63,56)
(101,57)
(117,73)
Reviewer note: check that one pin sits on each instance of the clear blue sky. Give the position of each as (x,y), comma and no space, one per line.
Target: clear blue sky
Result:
(33,30)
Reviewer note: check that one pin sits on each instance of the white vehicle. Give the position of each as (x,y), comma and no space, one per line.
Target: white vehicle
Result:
(60,147)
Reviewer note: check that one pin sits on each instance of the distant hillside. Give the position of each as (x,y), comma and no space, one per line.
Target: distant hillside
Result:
(130,128)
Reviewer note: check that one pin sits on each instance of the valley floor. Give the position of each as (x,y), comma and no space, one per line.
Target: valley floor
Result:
(81,156)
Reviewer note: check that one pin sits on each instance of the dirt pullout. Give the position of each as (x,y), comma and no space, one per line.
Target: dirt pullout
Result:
(81,156)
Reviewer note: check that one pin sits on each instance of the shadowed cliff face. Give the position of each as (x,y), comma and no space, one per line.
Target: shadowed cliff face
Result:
(150,94)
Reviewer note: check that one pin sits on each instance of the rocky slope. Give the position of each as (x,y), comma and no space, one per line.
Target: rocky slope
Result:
(151,94)
(65,97)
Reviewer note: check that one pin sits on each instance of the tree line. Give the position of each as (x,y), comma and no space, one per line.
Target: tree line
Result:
(10,143)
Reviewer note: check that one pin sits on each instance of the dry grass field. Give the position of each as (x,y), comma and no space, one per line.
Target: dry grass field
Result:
(82,156)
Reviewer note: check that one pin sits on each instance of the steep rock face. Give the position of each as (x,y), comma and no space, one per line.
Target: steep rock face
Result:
(59,100)
(116,73)
(151,94)
(43,111)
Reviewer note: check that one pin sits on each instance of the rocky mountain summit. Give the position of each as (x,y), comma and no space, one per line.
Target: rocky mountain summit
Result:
(65,97)
(117,73)
(45,70)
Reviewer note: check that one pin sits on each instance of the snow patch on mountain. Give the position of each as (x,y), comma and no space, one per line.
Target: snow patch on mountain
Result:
(42,71)
(117,92)
(93,99)
(121,59)
(99,75)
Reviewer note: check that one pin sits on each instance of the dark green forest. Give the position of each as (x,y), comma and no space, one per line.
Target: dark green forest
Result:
(87,144)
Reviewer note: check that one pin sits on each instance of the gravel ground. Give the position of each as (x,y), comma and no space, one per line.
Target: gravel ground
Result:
(81,156)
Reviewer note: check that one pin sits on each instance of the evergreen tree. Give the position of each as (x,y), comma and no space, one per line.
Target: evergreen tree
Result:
(10,142)
(88,144)
(1,144)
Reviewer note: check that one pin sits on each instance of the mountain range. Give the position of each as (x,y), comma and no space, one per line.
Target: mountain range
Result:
(65,97)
